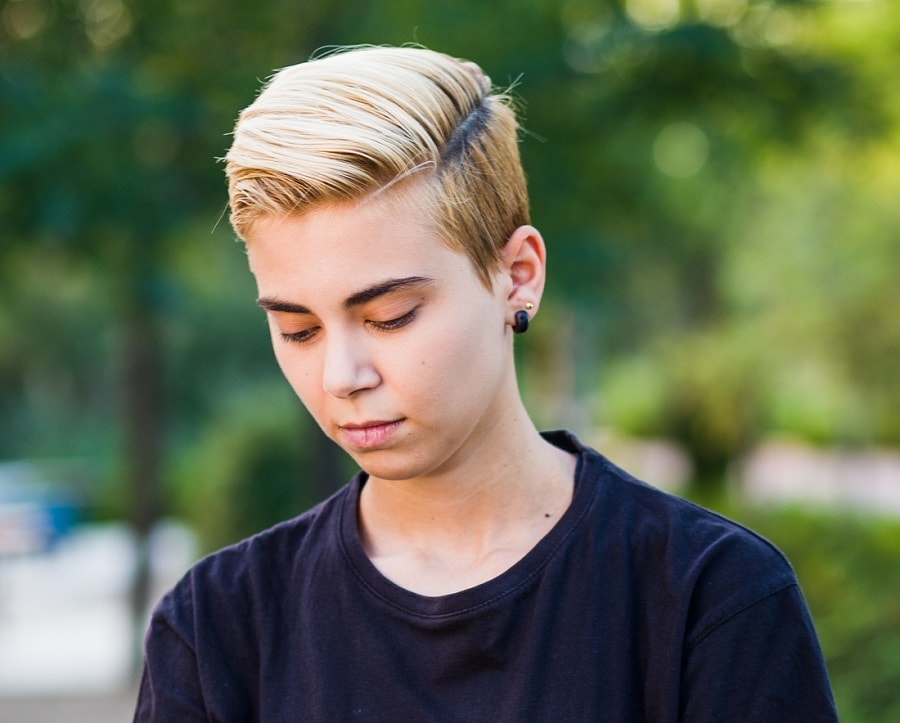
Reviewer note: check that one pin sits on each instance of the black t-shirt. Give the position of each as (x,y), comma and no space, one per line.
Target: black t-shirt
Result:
(636,606)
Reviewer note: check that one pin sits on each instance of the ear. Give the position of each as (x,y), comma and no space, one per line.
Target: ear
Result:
(524,266)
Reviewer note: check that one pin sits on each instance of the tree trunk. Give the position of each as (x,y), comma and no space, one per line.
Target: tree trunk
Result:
(142,429)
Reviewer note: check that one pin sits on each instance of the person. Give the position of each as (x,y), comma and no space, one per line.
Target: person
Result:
(474,569)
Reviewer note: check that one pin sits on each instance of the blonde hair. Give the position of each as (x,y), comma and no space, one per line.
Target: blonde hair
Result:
(360,121)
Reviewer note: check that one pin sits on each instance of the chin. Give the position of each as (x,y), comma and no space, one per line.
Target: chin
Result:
(389,465)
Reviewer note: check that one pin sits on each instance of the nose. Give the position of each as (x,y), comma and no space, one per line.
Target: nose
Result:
(347,367)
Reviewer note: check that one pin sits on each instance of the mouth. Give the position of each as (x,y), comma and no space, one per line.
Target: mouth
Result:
(368,435)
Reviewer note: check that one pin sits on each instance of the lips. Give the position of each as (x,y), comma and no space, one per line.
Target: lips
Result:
(369,435)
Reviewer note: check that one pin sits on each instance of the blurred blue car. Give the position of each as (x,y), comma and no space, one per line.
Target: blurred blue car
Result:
(34,513)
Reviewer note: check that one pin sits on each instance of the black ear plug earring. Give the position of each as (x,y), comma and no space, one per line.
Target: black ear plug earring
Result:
(521,325)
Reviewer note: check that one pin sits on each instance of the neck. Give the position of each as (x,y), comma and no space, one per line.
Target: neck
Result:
(466,524)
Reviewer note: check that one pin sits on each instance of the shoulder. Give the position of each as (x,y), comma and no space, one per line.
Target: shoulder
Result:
(694,557)
(231,610)
(241,577)
(650,518)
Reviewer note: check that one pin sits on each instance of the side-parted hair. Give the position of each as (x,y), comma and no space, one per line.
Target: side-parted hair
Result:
(360,121)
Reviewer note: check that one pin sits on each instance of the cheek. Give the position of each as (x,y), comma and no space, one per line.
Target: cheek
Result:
(299,370)
(295,366)
(457,353)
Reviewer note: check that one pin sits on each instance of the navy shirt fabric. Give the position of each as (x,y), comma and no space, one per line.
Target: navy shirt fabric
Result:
(636,606)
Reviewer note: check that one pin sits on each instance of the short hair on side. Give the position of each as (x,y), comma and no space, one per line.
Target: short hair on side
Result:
(361,120)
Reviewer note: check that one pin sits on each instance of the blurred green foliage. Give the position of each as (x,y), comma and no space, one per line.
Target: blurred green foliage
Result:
(716,181)
(219,487)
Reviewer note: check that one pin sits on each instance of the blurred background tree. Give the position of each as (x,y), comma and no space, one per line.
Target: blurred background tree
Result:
(715,179)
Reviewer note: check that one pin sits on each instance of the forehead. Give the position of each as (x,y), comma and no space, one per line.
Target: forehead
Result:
(337,249)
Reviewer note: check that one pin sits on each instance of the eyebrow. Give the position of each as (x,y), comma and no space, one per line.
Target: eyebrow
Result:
(357,299)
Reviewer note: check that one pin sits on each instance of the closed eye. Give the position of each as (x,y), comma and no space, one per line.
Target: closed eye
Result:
(300,337)
(304,336)
(398,323)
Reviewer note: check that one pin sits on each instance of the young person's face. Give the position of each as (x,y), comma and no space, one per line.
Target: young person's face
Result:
(388,337)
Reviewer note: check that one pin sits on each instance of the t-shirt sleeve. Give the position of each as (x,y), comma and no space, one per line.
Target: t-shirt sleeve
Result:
(761,664)
(170,682)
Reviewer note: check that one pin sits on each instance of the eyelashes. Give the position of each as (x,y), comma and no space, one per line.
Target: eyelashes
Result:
(299,337)
(398,323)
(306,335)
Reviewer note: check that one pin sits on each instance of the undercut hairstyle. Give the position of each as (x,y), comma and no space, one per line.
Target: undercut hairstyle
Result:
(369,120)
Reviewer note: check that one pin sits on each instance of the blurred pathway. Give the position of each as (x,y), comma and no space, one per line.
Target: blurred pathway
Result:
(851,480)
(66,637)
(117,707)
